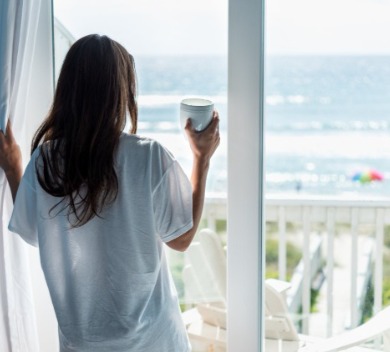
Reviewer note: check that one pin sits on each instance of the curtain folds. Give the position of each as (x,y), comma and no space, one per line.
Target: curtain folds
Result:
(19,44)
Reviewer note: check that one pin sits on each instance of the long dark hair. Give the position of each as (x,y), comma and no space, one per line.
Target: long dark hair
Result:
(96,89)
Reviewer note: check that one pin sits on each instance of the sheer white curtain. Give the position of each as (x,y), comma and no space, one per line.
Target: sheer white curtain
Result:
(25,93)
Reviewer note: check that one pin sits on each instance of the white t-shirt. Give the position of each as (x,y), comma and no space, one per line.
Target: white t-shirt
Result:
(108,279)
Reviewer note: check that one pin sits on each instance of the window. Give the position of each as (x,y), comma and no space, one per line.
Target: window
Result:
(327,114)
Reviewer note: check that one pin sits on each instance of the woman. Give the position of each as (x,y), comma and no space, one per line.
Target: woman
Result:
(100,203)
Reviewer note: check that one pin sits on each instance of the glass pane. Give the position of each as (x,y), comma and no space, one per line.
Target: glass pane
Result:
(180,50)
(327,169)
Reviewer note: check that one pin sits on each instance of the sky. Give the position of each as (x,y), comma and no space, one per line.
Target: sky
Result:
(199,27)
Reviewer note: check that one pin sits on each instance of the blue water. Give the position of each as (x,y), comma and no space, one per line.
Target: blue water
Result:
(328,93)
(326,117)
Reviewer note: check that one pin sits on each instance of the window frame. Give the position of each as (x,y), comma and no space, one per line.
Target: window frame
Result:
(246,259)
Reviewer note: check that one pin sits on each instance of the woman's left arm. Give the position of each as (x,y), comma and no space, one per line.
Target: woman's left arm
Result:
(11,159)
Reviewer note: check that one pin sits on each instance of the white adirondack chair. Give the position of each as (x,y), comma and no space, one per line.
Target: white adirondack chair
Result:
(205,282)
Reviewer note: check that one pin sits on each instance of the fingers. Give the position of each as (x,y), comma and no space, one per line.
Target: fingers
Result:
(188,128)
(9,134)
(7,137)
(2,136)
(188,125)
(211,126)
(215,120)
(204,143)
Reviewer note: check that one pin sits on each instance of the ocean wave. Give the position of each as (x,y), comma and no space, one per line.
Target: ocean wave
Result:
(274,100)
(327,126)
(156,100)
(288,127)
(164,100)
(284,177)
(283,120)
(161,126)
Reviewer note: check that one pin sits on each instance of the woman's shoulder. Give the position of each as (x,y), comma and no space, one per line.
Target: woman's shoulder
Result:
(132,143)
(136,139)
(139,142)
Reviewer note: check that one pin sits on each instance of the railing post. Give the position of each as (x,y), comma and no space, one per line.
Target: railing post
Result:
(330,225)
(354,266)
(386,341)
(379,260)
(282,262)
(306,294)
(378,281)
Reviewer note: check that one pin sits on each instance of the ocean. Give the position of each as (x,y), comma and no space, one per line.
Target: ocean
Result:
(326,118)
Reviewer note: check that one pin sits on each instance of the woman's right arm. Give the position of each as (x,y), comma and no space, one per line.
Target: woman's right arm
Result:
(203,145)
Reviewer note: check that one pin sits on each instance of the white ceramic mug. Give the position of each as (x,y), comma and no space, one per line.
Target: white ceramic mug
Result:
(199,110)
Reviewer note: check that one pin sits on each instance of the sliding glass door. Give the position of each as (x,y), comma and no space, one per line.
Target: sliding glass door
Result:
(327,115)
(180,50)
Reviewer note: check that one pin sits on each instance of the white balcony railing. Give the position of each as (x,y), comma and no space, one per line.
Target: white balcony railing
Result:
(364,249)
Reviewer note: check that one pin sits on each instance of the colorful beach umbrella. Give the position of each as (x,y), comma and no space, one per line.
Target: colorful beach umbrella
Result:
(367,176)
